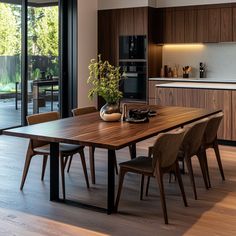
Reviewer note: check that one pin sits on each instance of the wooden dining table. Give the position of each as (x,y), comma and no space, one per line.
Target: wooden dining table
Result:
(90,130)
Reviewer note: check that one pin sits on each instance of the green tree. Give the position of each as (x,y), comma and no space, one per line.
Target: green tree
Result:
(43,31)
(9,33)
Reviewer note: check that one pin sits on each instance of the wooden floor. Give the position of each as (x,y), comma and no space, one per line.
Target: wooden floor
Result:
(31,213)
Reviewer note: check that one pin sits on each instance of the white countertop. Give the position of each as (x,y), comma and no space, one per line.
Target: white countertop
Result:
(192,85)
(204,80)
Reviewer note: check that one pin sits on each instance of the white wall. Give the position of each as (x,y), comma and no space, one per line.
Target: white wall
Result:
(87,46)
(113,4)
(219,58)
(174,3)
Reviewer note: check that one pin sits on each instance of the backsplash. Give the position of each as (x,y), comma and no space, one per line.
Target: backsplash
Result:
(220,59)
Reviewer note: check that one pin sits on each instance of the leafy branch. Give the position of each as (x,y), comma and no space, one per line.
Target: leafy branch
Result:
(105,80)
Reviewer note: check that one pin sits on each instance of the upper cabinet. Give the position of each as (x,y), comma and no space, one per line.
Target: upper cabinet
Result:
(226,24)
(168,29)
(214,21)
(190,25)
(199,24)
(133,21)
(202,26)
(140,21)
(179,26)
(234,23)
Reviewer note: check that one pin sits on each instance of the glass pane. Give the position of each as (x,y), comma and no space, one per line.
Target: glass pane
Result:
(43,67)
(10,65)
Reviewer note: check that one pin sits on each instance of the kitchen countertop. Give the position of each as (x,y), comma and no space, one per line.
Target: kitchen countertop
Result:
(192,85)
(204,80)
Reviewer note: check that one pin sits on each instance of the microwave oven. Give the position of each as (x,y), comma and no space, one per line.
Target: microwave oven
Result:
(132,47)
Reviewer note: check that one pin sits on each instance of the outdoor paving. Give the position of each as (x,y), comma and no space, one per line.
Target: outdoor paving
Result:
(10,117)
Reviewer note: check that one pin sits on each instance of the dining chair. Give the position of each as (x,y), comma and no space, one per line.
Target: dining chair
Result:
(210,141)
(79,112)
(163,159)
(190,147)
(37,147)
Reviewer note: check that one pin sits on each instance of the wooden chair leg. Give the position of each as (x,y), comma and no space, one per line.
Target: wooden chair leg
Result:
(45,158)
(84,167)
(181,186)
(70,160)
(92,164)
(204,155)
(202,162)
(147,186)
(26,169)
(190,171)
(217,152)
(63,176)
(141,187)
(121,180)
(159,178)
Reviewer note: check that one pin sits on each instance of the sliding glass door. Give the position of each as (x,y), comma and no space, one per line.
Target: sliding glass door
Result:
(10,64)
(43,51)
(38,59)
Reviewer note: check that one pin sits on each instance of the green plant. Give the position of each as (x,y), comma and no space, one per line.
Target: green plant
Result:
(105,80)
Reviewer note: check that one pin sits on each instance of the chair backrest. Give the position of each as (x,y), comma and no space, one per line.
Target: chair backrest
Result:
(166,147)
(83,111)
(212,127)
(194,136)
(43,117)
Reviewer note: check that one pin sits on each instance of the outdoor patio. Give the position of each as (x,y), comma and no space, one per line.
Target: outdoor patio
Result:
(10,117)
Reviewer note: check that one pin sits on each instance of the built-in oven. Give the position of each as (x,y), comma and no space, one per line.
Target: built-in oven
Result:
(133,63)
(134,84)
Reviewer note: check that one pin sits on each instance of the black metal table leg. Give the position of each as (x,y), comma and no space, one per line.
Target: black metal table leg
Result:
(16,95)
(132,150)
(111,182)
(52,98)
(54,171)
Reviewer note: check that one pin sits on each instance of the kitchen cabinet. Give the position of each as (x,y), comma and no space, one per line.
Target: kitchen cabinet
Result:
(202,26)
(190,26)
(233,115)
(178,26)
(214,25)
(107,37)
(168,29)
(234,24)
(140,21)
(226,24)
(130,21)
(126,21)
(133,21)
(201,98)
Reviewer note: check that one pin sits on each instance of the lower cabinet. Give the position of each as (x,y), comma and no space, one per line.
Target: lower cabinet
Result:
(203,98)
(233,115)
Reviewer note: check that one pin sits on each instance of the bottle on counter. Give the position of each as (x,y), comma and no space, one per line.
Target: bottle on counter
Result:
(202,70)
(175,72)
(169,73)
(166,71)
(162,73)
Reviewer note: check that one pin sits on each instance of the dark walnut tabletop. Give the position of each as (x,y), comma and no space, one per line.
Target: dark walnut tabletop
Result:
(90,130)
